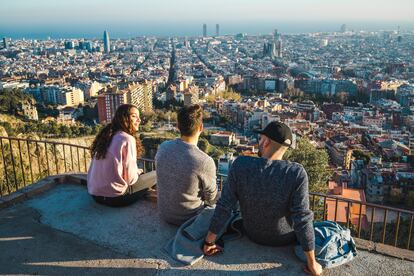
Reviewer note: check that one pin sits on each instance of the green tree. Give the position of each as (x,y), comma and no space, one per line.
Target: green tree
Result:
(315,162)
(204,145)
(360,155)
(11,100)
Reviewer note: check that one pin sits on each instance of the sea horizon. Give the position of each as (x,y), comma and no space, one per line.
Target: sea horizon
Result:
(191,29)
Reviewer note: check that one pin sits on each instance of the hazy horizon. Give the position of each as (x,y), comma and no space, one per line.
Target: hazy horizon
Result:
(128,18)
(192,29)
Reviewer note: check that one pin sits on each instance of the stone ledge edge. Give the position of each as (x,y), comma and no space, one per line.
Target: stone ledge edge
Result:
(40,187)
(50,182)
(385,249)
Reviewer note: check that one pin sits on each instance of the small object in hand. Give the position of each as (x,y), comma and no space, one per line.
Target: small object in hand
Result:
(213,248)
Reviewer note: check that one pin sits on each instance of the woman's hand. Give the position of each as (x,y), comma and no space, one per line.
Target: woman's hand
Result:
(140,171)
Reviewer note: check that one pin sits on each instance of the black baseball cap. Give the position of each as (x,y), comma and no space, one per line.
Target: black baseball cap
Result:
(278,132)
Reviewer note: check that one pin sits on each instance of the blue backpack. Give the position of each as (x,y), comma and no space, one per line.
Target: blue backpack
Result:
(333,244)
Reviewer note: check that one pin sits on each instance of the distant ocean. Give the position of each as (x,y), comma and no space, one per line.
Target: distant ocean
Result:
(188,29)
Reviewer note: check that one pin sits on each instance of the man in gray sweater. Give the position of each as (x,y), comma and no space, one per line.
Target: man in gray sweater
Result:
(273,197)
(186,176)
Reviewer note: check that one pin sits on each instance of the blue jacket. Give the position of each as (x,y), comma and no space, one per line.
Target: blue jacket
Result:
(333,244)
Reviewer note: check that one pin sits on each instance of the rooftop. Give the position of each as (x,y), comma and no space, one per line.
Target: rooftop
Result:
(52,228)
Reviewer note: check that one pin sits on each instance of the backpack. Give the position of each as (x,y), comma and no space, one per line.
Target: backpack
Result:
(334,245)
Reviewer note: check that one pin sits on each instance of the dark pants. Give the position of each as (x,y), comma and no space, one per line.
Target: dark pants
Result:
(132,194)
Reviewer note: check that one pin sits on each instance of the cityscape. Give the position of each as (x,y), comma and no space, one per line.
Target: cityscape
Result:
(351,93)
(346,92)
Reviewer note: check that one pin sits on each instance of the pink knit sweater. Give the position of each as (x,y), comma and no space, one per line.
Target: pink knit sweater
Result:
(111,176)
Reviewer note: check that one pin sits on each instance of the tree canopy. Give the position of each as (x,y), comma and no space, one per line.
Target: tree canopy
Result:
(315,162)
(11,100)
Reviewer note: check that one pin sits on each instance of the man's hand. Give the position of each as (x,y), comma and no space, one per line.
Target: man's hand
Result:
(314,268)
(212,250)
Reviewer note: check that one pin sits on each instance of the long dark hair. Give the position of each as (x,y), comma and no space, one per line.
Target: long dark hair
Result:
(120,122)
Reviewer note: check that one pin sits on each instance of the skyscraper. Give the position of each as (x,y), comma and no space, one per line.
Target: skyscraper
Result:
(217,30)
(107,45)
(279,53)
(276,35)
(343,28)
(204,30)
(5,45)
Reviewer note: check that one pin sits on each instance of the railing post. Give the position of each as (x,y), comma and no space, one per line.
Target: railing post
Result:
(56,159)
(384,226)
(13,164)
(372,223)
(84,160)
(71,158)
(39,165)
(5,166)
(64,157)
(30,160)
(396,230)
(348,214)
(359,220)
(21,162)
(410,232)
(79,165)
(47,160)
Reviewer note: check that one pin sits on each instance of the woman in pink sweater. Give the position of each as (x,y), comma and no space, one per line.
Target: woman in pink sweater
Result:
(113,177)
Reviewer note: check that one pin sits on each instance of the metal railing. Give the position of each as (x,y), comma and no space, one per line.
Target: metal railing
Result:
(25,161)
(373,222)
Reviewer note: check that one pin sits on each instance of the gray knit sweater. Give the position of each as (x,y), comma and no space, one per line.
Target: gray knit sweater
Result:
(274,202)
(186,180)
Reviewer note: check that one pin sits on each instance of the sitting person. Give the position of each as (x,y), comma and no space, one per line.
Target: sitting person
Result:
(186,176)
(273,197)
(113,177)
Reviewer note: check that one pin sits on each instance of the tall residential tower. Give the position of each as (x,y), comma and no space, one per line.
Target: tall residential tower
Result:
(204,30)
(107,45)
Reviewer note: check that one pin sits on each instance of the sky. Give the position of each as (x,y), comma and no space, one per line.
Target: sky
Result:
(185,17)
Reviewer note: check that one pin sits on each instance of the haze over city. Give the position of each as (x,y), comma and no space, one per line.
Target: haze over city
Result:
(126,18)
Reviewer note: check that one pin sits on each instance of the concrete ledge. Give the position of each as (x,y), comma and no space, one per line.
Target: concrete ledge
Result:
(385,249)
(392,251)
(11,199)
(50,182)
(31,190)
(364,244)
(76,178)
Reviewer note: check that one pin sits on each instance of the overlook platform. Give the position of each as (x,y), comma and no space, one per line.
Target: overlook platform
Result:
(63,231)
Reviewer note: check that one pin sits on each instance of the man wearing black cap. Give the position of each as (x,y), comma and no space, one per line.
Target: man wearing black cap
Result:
(273,197)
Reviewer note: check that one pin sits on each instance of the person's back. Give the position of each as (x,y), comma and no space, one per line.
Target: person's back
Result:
(273,197)
(185,178)
(266,192)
